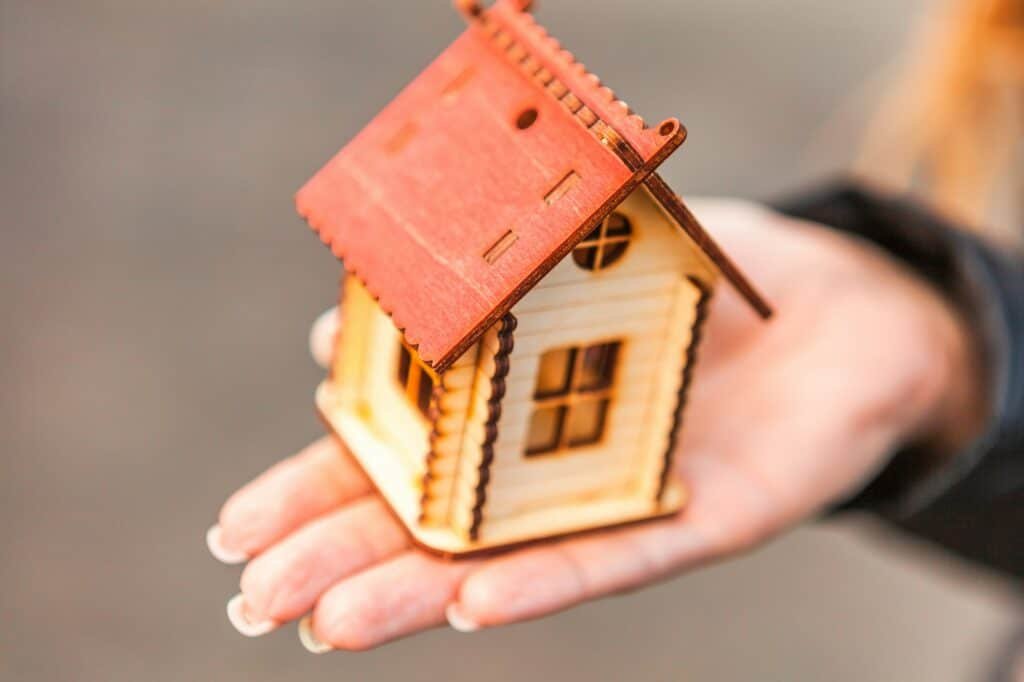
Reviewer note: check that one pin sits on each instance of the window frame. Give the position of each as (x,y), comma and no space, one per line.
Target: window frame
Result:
(599,238)
(574,395)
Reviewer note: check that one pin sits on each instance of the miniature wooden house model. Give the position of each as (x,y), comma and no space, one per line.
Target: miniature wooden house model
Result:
(523,295)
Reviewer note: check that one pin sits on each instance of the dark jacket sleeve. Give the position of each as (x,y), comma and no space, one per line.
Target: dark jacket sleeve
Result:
(973,505)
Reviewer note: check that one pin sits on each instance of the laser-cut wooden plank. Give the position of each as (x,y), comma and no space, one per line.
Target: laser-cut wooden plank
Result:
(599,312)
(607,288)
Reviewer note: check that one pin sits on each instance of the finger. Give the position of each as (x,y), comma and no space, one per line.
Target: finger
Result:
(285,581)
(727,512)
(407,594)
(548,578)
(286,496)
(322,336)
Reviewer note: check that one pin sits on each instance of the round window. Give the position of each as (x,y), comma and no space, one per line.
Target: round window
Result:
(605,244)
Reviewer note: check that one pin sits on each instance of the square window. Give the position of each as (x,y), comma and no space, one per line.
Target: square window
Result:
(586,422)
(545,430)
(554,372)
(597,367)
(572,395)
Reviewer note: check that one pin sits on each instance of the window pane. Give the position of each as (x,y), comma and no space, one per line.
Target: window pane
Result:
(618,226)
(612,252)
(585,257)
(404,362)
(593,235)
(598,367)
(586,422)
(425,391)
(545,429)
(553,374)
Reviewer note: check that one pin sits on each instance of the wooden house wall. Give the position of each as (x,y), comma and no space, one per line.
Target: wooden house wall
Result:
(439,460)
(366,370)
(645,300)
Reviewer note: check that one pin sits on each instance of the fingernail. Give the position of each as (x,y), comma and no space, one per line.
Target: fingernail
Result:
(458,621)
(219,551)
(322,336)
(238,618)
(309,640)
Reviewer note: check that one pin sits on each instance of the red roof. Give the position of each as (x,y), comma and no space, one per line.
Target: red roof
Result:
(479,177)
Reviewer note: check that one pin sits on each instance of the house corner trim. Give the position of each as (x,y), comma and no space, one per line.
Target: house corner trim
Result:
(501,365)
(684,386)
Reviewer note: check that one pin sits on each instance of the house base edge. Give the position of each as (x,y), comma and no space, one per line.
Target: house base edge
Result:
(374,457)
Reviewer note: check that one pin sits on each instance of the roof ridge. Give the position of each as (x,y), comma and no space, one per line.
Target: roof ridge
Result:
(570,60)
(515,31)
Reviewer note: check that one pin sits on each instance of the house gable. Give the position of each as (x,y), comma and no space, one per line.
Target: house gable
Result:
(657,245)
(648,302)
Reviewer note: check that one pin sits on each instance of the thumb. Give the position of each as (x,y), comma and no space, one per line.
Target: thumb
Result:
(322,335)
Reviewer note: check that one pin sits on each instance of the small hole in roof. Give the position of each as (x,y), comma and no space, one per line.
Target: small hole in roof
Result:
(526,119)
(667,128)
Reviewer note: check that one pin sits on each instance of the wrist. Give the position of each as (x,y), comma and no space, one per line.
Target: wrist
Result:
(960,408)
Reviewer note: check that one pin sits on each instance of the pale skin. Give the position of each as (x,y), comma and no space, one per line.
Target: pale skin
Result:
(785,419)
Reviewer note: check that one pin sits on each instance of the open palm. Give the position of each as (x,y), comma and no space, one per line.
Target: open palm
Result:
(785,418)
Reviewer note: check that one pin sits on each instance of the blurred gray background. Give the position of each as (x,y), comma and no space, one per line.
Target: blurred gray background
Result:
(157,288)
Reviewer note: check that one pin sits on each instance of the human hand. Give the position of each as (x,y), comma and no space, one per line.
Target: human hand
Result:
(784,419)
